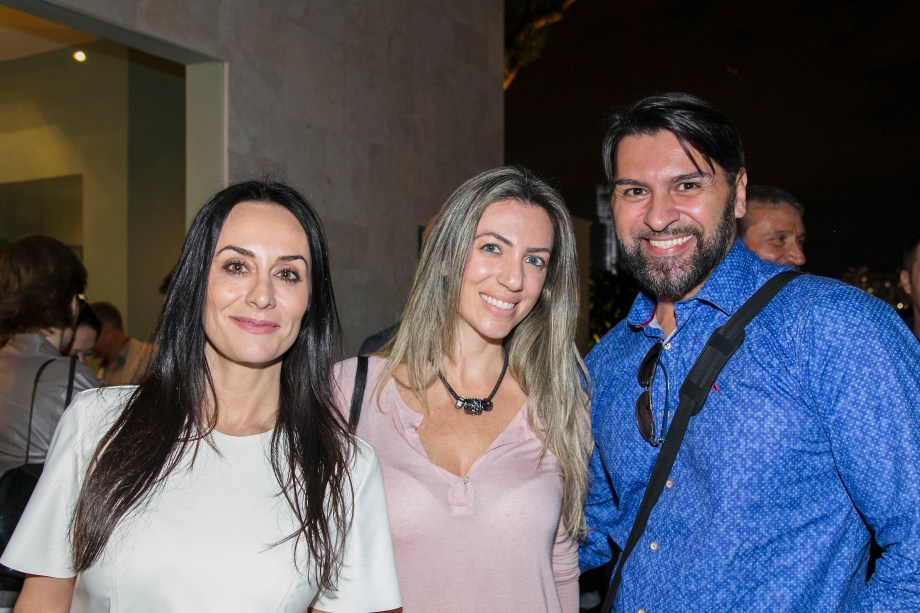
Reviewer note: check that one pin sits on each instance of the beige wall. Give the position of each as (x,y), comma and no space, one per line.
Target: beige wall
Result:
(376,110)
(156,182)
(114,124)
(53,125)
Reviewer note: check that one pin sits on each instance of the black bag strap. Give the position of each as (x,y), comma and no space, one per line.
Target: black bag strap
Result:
(721,345)
(357,397)
(32,406)
(70,377)
(73,370)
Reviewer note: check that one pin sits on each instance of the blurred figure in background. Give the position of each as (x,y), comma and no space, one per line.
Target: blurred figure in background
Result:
(910,281)
(124,359)
(41,287)
(772,227)
(86,334)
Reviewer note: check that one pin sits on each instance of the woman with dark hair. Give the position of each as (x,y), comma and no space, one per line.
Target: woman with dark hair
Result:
(41,289)
(225,480)
(86,333)
(476,407)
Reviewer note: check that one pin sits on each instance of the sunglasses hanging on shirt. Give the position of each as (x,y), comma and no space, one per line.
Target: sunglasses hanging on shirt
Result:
(645,415)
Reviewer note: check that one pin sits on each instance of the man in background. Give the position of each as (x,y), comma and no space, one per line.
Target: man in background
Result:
(910,281)
(124,359)
(773,227)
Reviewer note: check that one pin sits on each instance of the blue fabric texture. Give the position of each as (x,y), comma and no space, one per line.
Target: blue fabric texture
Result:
(808,444)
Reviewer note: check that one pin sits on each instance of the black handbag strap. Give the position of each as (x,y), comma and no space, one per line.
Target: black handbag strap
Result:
(73,370)
(693,392)
(70,377)
(357,397)
(32,406)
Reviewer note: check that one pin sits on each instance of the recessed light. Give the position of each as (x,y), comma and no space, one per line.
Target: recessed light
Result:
(79,56)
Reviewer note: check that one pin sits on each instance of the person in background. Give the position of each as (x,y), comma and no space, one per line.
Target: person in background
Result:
(226,481)
(86,334)
(41,286)
(124,358)
(808,444)
(910,281)
(476,407)
(772,226)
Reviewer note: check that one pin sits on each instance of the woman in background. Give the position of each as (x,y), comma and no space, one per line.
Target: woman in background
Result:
(85,334)
(41,290)
(476,407)
(225,481)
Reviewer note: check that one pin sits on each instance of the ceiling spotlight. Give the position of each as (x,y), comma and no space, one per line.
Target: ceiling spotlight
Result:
(79,56)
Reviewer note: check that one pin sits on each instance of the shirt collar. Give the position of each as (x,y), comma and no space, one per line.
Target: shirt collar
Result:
(31,343)
(726,289)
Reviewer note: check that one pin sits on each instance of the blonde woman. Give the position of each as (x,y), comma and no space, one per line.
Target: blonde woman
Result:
(476,407)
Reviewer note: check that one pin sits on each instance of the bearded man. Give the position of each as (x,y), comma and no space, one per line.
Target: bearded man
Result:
(808,445)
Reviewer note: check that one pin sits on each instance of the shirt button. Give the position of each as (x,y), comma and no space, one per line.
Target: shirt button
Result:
(667,346)
(653,546)
(641,611)
(466,479)
(669,483)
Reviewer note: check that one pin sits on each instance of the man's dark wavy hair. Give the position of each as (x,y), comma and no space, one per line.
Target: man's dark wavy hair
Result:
(694,122)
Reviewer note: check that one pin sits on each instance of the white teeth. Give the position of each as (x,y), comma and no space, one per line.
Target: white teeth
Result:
(669,243)
(497,303)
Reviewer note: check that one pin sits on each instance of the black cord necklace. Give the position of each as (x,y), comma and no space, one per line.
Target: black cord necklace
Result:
(475,406)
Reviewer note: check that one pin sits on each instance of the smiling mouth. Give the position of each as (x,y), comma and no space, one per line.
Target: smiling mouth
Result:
(671,242)
(501,304)
(258,325)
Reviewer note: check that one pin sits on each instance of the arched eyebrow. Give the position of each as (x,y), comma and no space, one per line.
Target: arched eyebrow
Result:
(247,253)
(504,240)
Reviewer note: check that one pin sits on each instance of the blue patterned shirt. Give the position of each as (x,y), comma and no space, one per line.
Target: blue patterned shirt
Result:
(808,443)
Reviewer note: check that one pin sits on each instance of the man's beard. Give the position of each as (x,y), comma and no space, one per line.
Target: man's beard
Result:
(672,278)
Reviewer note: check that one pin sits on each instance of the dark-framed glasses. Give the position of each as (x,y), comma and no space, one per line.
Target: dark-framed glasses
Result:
(645,415)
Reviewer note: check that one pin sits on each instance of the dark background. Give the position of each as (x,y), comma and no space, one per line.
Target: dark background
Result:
(824,95)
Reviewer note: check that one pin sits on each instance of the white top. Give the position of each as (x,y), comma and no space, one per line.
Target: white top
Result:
(204,542)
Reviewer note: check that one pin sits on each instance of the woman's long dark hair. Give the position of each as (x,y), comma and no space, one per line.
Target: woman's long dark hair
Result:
(310,447)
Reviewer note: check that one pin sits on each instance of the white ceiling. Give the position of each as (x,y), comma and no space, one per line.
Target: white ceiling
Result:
(22,35)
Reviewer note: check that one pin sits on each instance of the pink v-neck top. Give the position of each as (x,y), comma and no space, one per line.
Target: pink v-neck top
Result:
(490,540)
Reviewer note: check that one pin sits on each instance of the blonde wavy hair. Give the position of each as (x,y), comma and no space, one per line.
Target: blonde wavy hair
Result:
(542,354)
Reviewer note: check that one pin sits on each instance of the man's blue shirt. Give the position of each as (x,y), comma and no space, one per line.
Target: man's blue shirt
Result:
(808,444)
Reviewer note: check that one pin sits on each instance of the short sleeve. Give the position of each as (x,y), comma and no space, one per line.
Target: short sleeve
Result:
(565,568)
(367,581)
(41,543)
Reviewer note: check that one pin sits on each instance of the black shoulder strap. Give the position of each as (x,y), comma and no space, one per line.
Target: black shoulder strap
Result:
(357,397)
(73,370)
(693,392)
(32,406)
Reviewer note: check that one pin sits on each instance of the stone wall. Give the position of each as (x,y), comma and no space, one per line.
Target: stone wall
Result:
(375,109)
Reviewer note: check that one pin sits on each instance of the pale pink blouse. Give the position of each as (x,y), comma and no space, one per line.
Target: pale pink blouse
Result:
(492,540)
